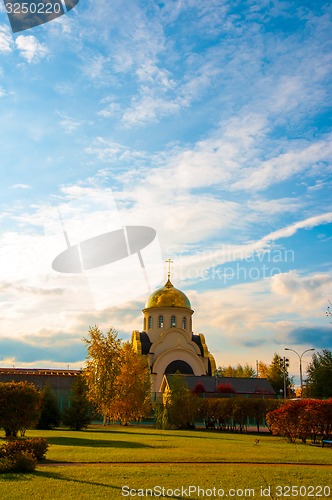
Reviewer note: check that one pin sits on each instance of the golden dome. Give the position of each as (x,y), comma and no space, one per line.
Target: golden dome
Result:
(168,296)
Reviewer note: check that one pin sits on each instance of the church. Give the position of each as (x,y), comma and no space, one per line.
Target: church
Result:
(168,344)
(167,339)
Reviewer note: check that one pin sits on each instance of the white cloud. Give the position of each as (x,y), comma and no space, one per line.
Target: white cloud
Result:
(21,186)
(6,40)
(274,206)
(308,223)
(68,123)
(30,48)
(160,95)
(148,108)
(285,166)
(220,254)
(307,292)
(110,110)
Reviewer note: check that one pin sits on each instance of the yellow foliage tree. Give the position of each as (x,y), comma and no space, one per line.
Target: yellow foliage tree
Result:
(102,368)
(132,388)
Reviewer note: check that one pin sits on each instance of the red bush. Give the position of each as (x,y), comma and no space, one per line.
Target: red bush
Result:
(199,389)
(225,388)
(302,419)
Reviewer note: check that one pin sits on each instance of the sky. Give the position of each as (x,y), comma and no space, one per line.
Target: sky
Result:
(207,121)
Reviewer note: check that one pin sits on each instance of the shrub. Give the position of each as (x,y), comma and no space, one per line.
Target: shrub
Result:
(6,465)
(19,406)
(225,388)
(302,419)
(36,447)
(24,462)
(199,389)
(22,455)
(231,413)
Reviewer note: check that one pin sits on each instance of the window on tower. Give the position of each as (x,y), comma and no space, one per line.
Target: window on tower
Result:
(150,322)
(184,322)
(161,321)
(173,321)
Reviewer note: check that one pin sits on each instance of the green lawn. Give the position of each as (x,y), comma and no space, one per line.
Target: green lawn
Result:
(138,444)
(141,444)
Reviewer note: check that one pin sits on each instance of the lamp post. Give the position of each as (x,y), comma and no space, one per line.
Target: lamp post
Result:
(284,364)
(300,358)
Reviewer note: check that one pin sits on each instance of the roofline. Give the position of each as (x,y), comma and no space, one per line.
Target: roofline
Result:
(39,371)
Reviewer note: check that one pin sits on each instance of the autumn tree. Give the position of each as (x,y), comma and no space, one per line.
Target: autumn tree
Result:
(275,375)
(19,406)
(319,372)
(80,411)
(132,387)
(102,368)
(236,371)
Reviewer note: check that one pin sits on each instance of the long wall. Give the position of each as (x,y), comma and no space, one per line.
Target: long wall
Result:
(60,381)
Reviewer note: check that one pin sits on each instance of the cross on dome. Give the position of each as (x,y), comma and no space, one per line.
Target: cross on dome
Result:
(169,262)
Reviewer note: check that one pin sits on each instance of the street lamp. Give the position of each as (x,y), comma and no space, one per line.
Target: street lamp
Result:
(284,364)
(300,358)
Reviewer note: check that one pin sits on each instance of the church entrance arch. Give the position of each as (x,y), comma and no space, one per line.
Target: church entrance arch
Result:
(178,365)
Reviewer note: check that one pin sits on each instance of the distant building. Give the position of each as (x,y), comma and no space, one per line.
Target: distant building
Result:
(237,386)
(60,381)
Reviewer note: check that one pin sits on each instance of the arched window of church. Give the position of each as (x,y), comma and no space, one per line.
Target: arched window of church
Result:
(184,322)
(173,321)
(161,321)
(150,322)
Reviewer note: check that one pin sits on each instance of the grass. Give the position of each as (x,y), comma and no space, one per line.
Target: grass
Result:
(138,444)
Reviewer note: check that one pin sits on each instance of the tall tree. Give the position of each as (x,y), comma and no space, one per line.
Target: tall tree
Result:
(319,371)
(50,413)
(236,371)
(275,375)
(132,388)
(102,368)
(19,406)
(179,406)
(79,414)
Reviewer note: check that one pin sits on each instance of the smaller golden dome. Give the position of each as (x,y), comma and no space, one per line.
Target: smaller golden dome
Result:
(168,296)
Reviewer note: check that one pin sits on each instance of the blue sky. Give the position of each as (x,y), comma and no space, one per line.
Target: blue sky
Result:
(208,121)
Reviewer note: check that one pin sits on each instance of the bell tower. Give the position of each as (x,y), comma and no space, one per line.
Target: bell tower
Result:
(167,339)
